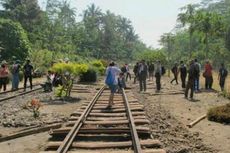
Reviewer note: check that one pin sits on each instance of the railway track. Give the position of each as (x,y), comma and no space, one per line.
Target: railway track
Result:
(14,94)
(96,129)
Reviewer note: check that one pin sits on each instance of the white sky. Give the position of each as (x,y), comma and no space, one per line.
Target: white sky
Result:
(150,18)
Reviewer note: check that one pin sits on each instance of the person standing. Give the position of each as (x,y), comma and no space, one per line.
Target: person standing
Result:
(28,69)
(208,75)
(223,73)
(128,75)
(15,75)
(135,71)
(158,73)
(175,73)
(191,78)
(183,73)
(4,76)
(151,71)
(197,77)
(142,73)
(111,80)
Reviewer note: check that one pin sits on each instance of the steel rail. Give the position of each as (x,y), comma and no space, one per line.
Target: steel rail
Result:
(135,138)
(20,94)
(8,91)
(63,148)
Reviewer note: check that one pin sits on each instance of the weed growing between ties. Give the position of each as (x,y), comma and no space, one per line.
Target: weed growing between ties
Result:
(220,114)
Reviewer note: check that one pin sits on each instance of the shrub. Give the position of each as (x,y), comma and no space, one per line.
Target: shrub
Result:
(68,72)
(98,66)
(89,76)
(220,114)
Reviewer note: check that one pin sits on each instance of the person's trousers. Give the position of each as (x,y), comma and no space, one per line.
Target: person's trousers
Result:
(30,80)
(3,83)
(142,83)
(158,82)
(128,75)
(221,83)
(208,82)
(183,80)
(190,85)
(15,81)
(175,79)
(197,84)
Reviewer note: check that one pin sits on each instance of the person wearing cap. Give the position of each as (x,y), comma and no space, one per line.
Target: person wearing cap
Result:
(28,69)
(15,75)
(4,76)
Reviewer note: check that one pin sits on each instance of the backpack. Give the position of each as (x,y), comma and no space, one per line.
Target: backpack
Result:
(162,70)
(109,78)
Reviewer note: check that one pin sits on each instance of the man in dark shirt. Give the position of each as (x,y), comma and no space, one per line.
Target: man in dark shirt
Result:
(142,73)
(191,77)
(175,73)
(28,69)
(223,73)
(183,73)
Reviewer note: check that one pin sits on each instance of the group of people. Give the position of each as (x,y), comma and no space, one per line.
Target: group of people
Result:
(190,76)
(194,73)
(141,71)
(5,75)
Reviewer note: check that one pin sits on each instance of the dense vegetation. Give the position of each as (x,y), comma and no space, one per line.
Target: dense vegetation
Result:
(203,32)
(52,33)
(55,31)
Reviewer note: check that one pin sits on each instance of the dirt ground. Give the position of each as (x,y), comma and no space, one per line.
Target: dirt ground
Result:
(168,114)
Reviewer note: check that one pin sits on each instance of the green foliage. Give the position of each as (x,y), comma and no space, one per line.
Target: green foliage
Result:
(220,114)
(70,68)
(98,66)
(13,40)
(152,56)
(89,76)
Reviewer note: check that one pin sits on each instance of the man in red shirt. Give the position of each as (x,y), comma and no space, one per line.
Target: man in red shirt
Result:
(208,75)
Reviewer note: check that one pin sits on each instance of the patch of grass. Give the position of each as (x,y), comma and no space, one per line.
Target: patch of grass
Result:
(220,114)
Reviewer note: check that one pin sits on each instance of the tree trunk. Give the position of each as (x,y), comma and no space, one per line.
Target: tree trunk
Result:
(207,45)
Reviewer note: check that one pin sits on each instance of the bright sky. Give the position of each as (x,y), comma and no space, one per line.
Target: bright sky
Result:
(150,18)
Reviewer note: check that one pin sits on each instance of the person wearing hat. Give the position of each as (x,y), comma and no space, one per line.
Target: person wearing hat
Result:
(15,75)
(28,69)
(4,75)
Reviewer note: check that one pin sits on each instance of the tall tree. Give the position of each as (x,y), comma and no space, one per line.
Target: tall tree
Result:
(187,18)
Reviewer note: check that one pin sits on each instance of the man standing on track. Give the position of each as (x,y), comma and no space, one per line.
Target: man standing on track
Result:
(223,73)
(28,69)
(142,73)
(15,75)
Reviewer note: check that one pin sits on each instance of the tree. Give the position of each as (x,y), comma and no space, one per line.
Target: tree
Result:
(14,41)
(209,24)
(188,18)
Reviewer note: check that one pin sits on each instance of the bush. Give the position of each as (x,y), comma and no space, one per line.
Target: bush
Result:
(220,114)
(98,66)
(89,76)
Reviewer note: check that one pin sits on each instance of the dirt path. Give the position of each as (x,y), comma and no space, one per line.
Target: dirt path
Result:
(169,115)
